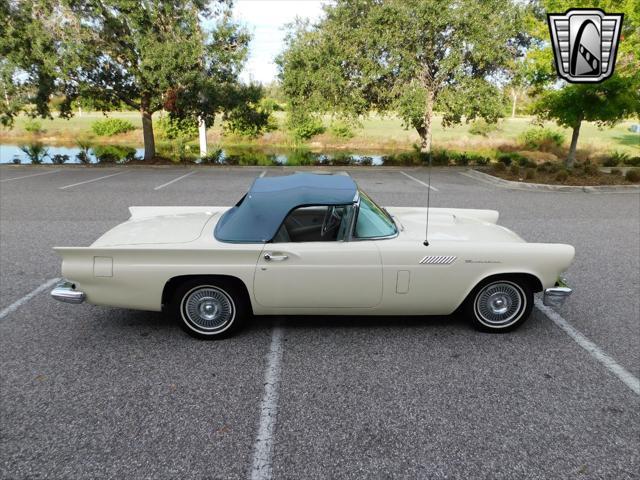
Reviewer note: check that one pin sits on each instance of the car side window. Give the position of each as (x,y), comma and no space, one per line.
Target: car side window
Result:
(372,221)
(318,223)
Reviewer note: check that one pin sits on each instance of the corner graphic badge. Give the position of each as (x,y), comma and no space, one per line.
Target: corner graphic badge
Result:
(585,43)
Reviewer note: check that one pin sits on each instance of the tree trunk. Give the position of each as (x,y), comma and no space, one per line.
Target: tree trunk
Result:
(427,120)
(574,143)
(147,130)
(202,135)
(514,95)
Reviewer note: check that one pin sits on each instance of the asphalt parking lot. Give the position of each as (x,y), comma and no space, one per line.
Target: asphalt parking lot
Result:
(94,392)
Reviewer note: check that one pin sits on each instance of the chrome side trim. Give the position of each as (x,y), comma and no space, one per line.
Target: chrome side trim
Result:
(66,292)
(438,260)
(556,296)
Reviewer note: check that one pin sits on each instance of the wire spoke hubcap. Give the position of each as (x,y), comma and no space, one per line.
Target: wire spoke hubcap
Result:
(208,308)
(498,304)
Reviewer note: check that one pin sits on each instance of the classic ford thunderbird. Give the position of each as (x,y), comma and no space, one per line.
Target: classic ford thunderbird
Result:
(312,244)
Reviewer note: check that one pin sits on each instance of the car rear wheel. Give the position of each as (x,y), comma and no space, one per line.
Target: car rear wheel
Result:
(500,305)
(209,309)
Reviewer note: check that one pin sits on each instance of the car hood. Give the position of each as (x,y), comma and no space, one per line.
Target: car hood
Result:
(159,225)
(452,224)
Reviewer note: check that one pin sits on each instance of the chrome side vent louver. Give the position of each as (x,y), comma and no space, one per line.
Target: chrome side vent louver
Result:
(438,260)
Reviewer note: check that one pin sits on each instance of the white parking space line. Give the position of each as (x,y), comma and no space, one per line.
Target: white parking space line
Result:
(92,180)
(174,180)
(27,176)
(263,173)
(18,303)
(262,468)
(614,367)
(420,182)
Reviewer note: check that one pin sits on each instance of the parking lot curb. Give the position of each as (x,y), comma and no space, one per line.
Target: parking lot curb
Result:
(541,187)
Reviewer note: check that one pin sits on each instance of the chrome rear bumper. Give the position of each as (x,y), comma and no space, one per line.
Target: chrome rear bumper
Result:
(66,292)
(556,296)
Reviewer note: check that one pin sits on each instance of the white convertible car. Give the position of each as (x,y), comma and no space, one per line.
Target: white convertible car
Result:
(310,244)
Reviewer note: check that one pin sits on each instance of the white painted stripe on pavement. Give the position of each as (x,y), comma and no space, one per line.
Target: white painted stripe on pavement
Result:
(92,180)
(614,367)
(263,173)
(27,176)
(420,182)
(174,180)
(18,303)
(262,468)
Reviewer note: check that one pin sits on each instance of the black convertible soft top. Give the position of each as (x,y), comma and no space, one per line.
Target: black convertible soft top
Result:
(258,215)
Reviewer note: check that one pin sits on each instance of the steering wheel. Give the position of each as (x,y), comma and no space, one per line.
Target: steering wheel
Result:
(331,219)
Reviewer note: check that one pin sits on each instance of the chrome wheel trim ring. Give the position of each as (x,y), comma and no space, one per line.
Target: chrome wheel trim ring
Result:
(207,309)
(500,304)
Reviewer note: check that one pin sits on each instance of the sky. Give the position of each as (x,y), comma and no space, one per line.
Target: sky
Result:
(266,20)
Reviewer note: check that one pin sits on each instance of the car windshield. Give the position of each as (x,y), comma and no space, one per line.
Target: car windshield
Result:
(372,220)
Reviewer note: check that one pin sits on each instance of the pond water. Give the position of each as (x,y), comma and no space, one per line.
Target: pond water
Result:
(236,156)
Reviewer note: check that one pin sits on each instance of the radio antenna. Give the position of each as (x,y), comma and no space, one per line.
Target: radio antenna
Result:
(426,231)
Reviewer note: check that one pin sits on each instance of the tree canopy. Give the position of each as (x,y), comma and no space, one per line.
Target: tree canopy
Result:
(405,56)
(148,55)
(605,103)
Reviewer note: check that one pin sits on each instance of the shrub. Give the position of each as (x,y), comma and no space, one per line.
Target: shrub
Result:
(36,152)
(83,155)
(341,130)
(482,127)
(633,176)
(515,169)
(541,138)
(615,158)
(303,126)
(248,120)
(551,167)
(562,176)
(616,171)
(499,167)
(480,160)
(530,173)
(590,169)
(174,128)
(632,162)
(439,157)
(16,161)
(215,156)
(461,159)
(511,157)
(114,153)
(270,105)
(111,126)
(59,159)
(33,126)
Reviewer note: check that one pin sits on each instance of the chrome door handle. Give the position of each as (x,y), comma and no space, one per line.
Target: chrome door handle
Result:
(276,258)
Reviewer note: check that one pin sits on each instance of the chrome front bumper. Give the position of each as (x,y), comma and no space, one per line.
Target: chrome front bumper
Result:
(66,292)
(556,296)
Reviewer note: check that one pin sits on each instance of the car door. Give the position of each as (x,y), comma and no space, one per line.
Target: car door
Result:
(319,275)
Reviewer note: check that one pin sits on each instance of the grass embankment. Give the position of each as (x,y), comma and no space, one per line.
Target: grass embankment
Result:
(377,135)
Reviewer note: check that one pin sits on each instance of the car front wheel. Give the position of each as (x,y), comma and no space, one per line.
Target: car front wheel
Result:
(500,305)
(208,309)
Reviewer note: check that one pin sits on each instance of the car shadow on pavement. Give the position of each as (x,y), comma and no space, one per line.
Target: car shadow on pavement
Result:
(295,322)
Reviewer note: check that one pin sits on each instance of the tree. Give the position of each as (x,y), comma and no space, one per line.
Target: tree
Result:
(28,61)
(215,89)
(141,54)
(136,52)
(606,103)
(404,56)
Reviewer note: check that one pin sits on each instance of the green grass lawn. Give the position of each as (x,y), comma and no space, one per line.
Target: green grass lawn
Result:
(377,134)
